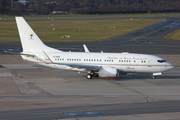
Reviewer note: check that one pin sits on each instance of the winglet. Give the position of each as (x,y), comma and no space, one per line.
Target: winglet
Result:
(85,48)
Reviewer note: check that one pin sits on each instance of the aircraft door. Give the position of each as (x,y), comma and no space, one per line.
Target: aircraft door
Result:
(149,62)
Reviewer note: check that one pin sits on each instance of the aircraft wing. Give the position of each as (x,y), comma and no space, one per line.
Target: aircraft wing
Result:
(82,66)
(85,67)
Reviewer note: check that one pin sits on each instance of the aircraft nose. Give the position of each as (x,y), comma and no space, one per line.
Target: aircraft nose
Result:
(169,66)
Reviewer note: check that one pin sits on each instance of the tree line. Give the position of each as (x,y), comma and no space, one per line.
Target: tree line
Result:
(88,6)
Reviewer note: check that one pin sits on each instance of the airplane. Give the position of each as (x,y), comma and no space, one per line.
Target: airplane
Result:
(95,64)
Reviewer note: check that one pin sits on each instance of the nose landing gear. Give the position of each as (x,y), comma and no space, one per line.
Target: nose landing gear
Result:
(153,77)
(156,74)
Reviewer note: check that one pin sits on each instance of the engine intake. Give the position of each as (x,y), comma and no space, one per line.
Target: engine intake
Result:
(108,72)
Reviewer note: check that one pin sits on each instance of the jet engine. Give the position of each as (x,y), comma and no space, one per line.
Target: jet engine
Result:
(108,72)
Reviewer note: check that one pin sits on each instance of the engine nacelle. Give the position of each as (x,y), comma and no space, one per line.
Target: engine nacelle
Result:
(108,72)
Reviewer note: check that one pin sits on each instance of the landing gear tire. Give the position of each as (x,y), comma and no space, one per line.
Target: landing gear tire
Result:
(89,76)
(153,77)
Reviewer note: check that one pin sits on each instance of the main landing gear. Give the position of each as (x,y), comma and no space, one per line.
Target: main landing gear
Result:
(91,74)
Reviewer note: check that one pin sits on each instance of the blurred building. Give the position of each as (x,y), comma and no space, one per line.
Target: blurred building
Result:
(24,2)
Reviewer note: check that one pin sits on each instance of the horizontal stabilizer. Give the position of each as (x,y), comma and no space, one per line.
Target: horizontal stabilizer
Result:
(47,59)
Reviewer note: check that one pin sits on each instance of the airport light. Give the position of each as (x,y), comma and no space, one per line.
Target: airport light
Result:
(52,22)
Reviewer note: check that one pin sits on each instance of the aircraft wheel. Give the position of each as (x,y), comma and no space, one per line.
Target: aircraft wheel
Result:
(89,76)
(153,77)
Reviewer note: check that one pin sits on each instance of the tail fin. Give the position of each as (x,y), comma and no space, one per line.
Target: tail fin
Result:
(29,40)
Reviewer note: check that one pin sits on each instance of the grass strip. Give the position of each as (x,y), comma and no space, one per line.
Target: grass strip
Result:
(174,35)
(78,30)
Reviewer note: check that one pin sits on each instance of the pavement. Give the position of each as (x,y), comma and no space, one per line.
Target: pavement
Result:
(30,91)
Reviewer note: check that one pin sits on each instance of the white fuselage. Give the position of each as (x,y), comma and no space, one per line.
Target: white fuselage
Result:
(125,62)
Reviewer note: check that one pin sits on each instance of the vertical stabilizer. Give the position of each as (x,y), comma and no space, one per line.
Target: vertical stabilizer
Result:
(29,40)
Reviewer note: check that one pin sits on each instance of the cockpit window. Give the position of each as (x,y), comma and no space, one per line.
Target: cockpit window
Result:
(161,61)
